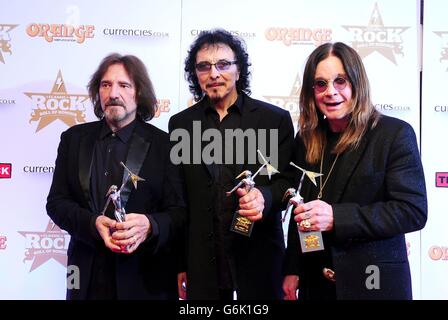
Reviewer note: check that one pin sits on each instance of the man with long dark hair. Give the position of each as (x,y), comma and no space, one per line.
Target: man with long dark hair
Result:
(136,258)
(371,191)
(220,261)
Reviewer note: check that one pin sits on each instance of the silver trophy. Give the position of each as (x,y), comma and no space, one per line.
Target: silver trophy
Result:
(309,240)
(241,224)
(114,194)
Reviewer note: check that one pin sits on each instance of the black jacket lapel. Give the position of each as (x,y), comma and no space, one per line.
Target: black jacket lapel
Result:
(200,116)
(349,160)
(87,144)
(249,120)
(136,156)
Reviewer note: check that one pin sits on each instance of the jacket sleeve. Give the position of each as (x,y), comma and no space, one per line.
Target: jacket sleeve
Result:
(62,206)
(400,206)
(172,216)
(181,238)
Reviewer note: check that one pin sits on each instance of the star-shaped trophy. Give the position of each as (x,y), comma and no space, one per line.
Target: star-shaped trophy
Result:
(309,240)
(114,194)
(241,224)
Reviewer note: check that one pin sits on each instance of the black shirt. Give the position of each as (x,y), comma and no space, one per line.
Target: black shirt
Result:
(110,149)
(321,288)
(224,180)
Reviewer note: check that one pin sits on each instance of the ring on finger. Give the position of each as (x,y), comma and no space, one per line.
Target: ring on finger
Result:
(305,223)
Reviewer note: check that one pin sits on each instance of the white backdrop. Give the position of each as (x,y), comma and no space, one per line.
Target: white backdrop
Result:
(49,49)
(434,152)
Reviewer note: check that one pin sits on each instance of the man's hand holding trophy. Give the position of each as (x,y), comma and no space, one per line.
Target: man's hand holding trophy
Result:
(127,231)
(309,240)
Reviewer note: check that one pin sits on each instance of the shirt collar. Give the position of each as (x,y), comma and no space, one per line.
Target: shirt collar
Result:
(236,106)
(124,134)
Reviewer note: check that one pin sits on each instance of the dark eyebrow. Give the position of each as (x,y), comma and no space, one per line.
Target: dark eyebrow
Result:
(119,82)
(125,82)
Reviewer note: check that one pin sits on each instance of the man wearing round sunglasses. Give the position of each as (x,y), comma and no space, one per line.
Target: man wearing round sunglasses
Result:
(219,261)
(371,191)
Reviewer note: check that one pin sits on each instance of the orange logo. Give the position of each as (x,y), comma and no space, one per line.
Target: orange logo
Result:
(5,40)
(376,37)
(299,36)
(58,104)
(291,102)
(43,246)
(60,32)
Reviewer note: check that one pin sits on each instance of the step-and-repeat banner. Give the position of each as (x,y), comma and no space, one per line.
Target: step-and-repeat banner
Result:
(49,50)
(434,113)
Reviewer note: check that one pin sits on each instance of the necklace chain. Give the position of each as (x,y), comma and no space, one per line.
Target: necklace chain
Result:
(322,186)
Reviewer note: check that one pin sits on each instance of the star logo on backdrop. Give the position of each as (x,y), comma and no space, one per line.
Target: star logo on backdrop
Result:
(42,246)
(290,102)
(387,41)
(5,40)
(58,104)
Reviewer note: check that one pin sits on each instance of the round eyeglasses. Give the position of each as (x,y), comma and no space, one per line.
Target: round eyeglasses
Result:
(220,65)
(321,85)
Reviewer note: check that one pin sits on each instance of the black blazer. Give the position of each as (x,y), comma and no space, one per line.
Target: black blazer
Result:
(379,196)
(259,259)
(151,271)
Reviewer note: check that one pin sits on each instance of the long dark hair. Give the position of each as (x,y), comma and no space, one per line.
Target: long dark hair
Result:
(312,126)
(211,38)
(144,90)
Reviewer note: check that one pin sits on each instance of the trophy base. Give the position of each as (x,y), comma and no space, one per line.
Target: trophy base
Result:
(311,241)
(241,225)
